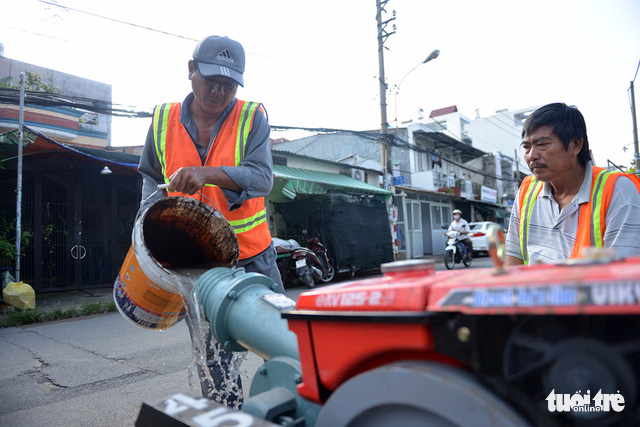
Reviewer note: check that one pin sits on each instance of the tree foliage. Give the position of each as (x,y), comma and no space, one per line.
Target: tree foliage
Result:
(33,82)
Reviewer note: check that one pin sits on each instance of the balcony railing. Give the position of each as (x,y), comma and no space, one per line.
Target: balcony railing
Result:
(435,181)
(440,180)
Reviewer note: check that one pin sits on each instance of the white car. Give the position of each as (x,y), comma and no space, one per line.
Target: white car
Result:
(478,235)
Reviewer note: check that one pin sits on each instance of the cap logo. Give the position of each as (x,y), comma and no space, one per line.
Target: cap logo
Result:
(225,56)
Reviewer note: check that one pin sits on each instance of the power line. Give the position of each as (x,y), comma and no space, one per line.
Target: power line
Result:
(49,99)
(322,130)
(85,45)
(405,144)
(44,35)
(117,20)
(142,27)
(500,127)
(475,137)
(396,142)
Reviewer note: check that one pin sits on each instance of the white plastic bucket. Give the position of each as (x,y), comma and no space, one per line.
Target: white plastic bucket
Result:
(174,233)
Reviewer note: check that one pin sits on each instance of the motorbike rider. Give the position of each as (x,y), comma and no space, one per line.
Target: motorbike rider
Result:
(462,226)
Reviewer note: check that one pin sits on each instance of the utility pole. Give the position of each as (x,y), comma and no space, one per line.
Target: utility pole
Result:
(635,130)
(383,34)
(19,185)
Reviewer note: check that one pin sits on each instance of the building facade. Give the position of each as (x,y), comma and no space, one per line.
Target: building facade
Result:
(69,124)
(79,196)
(440,163)
(446,162)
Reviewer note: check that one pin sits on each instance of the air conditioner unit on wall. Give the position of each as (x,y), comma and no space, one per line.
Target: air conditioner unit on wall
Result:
(358,174)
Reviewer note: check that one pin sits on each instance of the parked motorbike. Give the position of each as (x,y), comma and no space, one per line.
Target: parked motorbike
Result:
(310,263)
(456,251)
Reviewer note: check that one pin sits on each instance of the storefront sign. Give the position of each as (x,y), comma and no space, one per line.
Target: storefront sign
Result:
(488,195)
(398,180)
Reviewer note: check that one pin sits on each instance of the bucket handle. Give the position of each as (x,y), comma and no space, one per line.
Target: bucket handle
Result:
(165,186)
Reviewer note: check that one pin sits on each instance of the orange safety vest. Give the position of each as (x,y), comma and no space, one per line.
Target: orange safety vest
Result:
(591,219)
(175,149)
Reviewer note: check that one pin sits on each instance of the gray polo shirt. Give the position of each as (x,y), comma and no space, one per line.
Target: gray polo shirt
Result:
(552,233)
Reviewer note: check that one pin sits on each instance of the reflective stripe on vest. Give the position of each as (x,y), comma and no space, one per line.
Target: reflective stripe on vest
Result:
(246,118)
(597,225)
(242,225)
(160,118)
(228,149)
(592,216)
(527,199)
(591,222)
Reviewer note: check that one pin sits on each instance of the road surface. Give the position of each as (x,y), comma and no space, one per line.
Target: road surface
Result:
(97,371)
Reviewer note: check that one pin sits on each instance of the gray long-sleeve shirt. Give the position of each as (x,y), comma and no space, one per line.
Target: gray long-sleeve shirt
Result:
(254,175)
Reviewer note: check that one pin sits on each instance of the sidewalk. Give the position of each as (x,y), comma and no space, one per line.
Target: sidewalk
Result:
(437,258)
(76,299)
(49,301)
(66,300)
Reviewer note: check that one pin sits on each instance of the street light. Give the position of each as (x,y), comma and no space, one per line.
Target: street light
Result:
(432,55)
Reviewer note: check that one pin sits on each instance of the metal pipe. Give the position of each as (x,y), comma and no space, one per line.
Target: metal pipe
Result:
(244,312)
(19,183)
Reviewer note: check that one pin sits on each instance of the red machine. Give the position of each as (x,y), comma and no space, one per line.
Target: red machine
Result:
(537,345)
(548,345)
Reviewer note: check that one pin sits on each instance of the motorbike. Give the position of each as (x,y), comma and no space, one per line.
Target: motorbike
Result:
(456,251)
(310,263)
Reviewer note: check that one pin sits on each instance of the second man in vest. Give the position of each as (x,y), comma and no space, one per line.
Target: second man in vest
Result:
(569,204)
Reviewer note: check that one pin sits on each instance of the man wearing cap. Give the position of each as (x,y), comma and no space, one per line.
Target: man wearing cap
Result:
(215,147)
(568,204)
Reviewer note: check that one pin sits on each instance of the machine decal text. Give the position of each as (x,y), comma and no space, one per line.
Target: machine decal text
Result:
(616,293)
(355,299)
(596,294)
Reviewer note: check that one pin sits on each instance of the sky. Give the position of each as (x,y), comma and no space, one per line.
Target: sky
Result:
(315,64)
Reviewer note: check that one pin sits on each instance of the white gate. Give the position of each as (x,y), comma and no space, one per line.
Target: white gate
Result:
(414,222)
(440,216)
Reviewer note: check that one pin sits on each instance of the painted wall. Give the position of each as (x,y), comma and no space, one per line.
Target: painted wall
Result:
(98,135)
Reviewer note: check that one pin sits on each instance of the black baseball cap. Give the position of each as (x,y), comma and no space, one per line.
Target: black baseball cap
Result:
(220,56)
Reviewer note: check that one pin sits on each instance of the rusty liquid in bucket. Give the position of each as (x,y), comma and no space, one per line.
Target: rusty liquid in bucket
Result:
(179,237)
(174,241)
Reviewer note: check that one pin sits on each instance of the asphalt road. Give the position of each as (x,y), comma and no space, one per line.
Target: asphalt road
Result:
(97,371)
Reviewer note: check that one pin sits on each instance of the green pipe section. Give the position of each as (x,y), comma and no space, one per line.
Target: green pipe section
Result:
(244,312)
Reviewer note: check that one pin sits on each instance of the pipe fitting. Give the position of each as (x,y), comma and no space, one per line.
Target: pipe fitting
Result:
(243,313)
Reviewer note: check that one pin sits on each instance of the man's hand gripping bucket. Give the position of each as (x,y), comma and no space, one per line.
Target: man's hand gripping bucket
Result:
(174,233)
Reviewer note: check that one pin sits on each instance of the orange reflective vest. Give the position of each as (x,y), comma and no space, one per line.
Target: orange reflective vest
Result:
(175,149)
(592,215)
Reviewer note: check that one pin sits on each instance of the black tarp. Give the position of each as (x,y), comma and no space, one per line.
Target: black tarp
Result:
(354,228)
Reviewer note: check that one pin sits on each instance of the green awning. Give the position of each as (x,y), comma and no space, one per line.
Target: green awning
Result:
(302,181)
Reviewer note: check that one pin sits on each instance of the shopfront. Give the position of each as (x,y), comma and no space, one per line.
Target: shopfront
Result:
(421,217)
